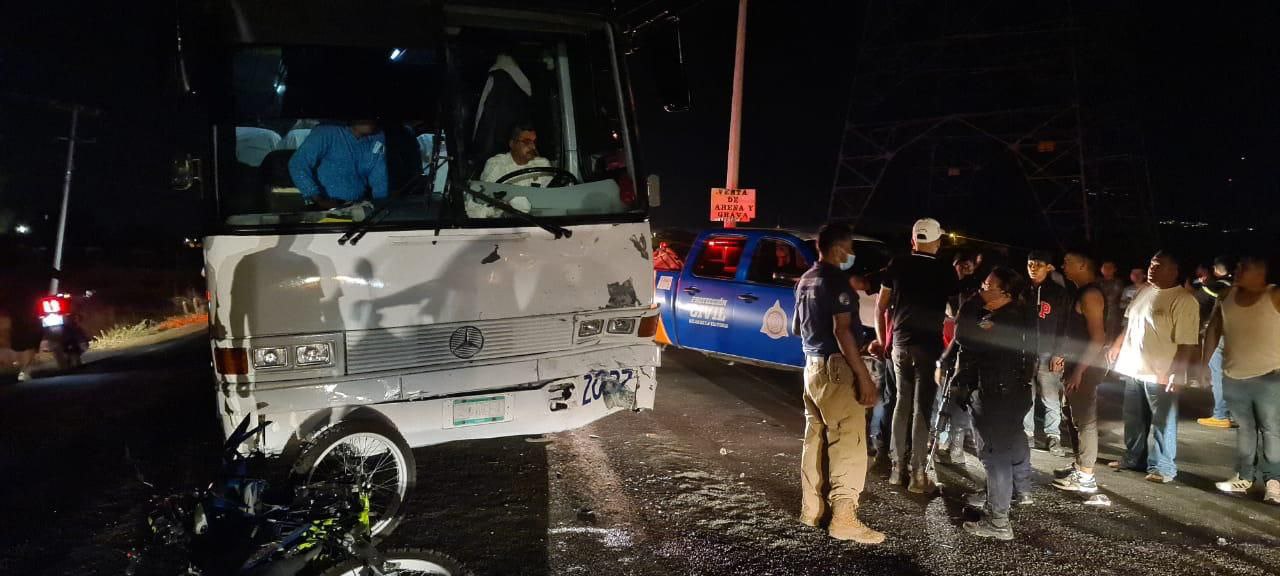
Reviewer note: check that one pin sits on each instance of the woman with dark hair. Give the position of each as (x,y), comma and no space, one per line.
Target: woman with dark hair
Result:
(994,355)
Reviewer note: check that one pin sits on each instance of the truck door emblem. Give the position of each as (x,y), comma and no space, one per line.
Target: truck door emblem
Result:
(466,342)
(775,321)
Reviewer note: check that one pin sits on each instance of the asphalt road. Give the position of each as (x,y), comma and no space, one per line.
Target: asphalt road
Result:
(706,483)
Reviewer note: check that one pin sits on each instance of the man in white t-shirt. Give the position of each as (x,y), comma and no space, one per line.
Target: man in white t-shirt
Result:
(1154,350)
(523,154)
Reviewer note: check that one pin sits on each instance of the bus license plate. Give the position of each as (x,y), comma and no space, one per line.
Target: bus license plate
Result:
(479,410)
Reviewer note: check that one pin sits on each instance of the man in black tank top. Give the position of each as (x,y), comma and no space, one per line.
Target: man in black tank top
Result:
(1086,337)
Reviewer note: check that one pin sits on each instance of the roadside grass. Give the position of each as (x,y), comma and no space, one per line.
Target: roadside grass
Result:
(120,336)
(126,334)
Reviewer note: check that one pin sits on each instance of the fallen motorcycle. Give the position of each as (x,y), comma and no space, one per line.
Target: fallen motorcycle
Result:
(241,525)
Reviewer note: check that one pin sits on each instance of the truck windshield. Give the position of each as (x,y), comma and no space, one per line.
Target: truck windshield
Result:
(326,134)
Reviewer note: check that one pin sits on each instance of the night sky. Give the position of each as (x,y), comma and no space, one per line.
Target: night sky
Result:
(1206,85)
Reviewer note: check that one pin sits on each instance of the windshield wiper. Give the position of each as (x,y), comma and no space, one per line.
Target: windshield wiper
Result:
(357,230)
(557,231)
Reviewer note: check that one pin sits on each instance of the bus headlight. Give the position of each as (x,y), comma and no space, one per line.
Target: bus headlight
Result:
(270,358)
(315,354)
(590,328)
(622,325)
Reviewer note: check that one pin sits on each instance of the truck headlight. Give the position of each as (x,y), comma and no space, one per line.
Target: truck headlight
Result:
(590,328)
(622,325)
(316,354)
(270,357)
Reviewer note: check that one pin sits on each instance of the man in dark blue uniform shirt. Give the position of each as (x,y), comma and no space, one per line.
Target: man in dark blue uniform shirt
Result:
(837,391)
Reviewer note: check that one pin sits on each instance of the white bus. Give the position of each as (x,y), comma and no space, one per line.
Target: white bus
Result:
(369,291)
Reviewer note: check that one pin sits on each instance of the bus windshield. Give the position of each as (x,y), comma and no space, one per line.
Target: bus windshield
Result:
(325,135)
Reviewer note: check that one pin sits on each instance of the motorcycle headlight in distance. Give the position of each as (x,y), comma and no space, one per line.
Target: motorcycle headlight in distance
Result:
(622,325)
(590,328)
(317,354)
(270,357)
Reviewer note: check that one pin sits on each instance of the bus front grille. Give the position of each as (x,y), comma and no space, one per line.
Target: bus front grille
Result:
(435,344)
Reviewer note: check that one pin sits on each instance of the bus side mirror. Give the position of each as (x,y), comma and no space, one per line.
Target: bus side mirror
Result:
(186,172)
(653,188)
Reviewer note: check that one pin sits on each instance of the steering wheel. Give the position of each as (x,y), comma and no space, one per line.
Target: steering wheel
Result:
(560,178)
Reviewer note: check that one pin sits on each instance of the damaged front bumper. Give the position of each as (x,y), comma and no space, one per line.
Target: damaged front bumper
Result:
(522,396)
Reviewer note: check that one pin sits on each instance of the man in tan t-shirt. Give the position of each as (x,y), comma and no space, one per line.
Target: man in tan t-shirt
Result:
(1153,350)
(1247,321)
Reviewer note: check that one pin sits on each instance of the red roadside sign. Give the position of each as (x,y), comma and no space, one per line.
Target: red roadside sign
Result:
(733,205)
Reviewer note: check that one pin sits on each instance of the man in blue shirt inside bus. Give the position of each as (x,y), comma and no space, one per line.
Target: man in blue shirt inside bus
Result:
(339,164)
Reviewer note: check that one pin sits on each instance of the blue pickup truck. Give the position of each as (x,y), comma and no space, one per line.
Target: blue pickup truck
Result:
(734,295)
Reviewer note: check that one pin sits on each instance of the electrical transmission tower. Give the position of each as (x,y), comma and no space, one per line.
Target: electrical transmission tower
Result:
(962,110)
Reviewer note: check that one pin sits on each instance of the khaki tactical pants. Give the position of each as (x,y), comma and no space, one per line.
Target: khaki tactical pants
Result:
(833,460)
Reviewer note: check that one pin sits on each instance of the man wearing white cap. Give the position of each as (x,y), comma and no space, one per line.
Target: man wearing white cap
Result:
(915,292)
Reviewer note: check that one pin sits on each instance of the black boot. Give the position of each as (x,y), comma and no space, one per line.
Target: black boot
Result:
(991,527)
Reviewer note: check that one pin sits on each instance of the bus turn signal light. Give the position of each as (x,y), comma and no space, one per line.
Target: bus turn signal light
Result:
(231,361)
(648,327)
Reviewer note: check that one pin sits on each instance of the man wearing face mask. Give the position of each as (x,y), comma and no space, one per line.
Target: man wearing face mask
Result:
(994,355)
(837,392)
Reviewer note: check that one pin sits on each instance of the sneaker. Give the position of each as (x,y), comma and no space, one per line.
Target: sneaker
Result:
(1273,492)
(921,484)
(23,376)
(985,528)
(1120,465)
(1077,481)
(978,499)
(1055,447)
(895,475)
(1214,422)
(1064,472)
(1234,485)
(1158,478)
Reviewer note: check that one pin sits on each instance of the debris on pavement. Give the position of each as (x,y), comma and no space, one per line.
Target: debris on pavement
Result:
(1098,500)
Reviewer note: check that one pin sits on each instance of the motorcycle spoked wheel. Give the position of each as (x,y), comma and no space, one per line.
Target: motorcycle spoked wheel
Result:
(405,562)
(368,452)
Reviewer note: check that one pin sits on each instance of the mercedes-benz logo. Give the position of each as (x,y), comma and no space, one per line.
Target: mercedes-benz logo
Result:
(466,342)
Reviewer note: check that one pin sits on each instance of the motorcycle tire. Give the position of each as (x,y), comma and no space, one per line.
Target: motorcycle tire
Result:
(405,562)
(355,435)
